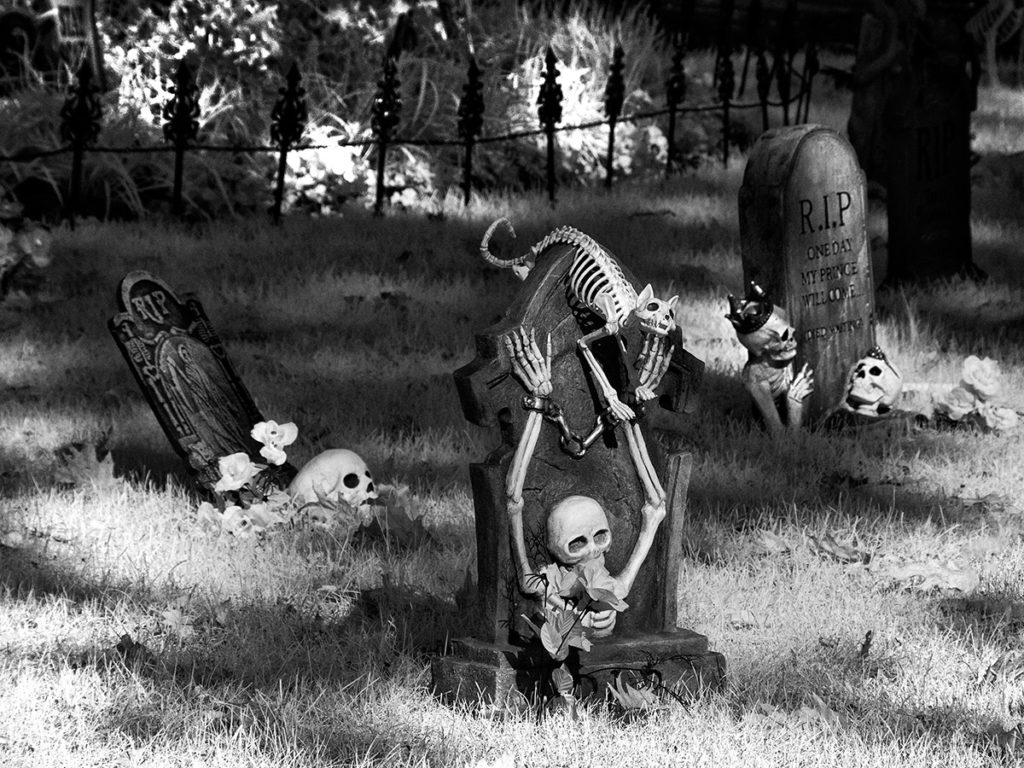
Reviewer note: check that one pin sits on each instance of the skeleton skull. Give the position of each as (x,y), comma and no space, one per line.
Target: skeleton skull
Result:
(335,474)
(775,340)
(655,315)
(578,531)
(873,386)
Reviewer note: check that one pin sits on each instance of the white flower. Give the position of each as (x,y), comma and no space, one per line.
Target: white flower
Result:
(235,471)
(981,376)
(274,437)
(208,513)
(998,419)
(956,403)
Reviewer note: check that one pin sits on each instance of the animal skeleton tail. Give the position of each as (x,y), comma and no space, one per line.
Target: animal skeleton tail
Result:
(490,258)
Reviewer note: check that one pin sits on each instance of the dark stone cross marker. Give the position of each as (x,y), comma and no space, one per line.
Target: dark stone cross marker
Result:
(184,372)
(804,241)
(500,659)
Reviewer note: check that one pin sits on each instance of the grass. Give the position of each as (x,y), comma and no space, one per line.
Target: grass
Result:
(129,635)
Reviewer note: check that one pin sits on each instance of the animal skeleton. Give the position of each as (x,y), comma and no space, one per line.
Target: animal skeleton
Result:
(596,283)
(578,533)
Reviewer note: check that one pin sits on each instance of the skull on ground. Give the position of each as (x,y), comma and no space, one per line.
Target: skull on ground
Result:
(334,474)
(873,386)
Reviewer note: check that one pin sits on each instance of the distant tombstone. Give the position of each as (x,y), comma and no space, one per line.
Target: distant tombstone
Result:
(804,241)
(184,372)
(927,127)
(501,658)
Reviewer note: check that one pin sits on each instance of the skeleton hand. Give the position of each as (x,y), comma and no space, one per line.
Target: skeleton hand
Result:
(654,360)
(802,386)
(601,621)
(532,369)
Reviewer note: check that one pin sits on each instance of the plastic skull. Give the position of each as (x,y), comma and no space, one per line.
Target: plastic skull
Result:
(655,315)
(578,531)
(335,474)
(776,339)
(873,386)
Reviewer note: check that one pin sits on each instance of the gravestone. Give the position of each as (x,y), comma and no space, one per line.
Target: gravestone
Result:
(500,659)
(927,127)
(804,241)
(184,372)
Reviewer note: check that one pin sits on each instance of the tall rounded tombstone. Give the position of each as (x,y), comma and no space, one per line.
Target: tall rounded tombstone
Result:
(804,240)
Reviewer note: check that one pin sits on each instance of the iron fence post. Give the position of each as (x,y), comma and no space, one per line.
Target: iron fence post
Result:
(614,96)
(675,94)
(80,125)
(470,123)
(181,126)
(384,119)
(550,113)
(287,122)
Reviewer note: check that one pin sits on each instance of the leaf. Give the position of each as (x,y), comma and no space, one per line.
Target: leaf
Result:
(771,542)
(578,639)
(741,619)
(562,680)
(828,547)
(11,539)
(819,713)
(175,621)
(552,639)
(222,611)
(1008,667)
(393,525)
(630,697)
(936,575)
(605,599)
(85,465)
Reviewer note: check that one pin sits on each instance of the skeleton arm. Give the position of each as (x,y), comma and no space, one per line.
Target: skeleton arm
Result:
(799,391)
(653,514)
(653,362)
(534,371)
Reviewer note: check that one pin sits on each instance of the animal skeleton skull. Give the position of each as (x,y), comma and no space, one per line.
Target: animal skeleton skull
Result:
(873,386)
(656,316)
(334,474)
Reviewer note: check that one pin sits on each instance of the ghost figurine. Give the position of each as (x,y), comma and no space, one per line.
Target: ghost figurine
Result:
(336,474)
(873,386)
(764,331)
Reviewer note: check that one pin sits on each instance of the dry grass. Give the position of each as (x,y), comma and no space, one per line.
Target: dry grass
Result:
(278,652)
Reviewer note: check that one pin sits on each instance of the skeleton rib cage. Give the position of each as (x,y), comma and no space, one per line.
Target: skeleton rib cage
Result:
(592,274)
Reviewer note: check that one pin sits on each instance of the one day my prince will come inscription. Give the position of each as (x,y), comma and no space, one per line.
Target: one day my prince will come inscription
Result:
(804,240)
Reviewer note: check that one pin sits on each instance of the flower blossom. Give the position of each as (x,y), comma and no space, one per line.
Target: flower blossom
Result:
(998,419)
(235,471)
(274,437)
(981,376)
(956,403)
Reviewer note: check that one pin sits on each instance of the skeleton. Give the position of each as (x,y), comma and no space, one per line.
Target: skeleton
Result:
(873,386)
(596,283)
(770,341)
(578,534)
(334,474)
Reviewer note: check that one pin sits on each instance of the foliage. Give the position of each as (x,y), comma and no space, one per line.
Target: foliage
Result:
(26,248)
(240,50)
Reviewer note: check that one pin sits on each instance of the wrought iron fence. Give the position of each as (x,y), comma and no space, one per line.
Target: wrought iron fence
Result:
(81,114)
